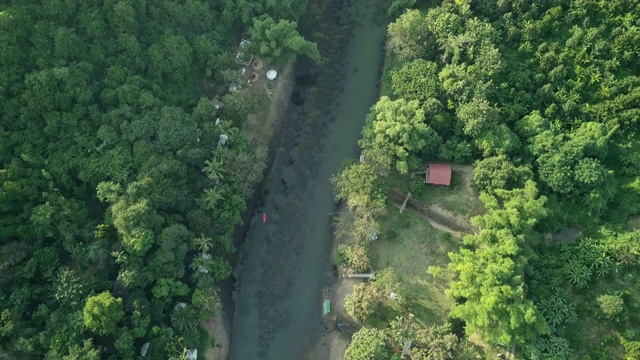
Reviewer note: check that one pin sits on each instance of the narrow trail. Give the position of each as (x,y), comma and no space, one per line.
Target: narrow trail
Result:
(438,217)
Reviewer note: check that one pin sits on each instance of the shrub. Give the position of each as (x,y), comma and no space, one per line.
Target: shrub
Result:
(363,302)
(417,185)
(611,305)
(369,344)
(435,271)
(353,258)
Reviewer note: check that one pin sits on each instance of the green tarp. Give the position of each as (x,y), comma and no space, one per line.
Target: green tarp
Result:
(326,307)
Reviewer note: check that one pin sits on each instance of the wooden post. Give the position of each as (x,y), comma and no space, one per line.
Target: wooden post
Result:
(404,204)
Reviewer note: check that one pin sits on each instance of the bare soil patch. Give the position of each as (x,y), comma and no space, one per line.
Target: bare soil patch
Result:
(332,344)
(218,331)
(443,219)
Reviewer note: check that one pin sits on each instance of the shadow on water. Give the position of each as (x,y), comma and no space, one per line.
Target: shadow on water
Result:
(284,263)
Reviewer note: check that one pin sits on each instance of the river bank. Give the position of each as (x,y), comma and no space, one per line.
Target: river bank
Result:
(263,129)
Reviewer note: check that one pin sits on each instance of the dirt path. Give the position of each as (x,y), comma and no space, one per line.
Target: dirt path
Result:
(437,216)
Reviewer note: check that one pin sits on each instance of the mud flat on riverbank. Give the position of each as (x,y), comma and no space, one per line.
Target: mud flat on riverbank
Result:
(263,129)
(332,344)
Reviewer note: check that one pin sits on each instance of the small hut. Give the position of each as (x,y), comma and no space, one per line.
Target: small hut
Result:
(439,174)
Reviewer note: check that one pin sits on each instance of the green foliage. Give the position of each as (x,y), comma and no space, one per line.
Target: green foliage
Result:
(399,126)
(435,271)
(368,344)
(365,194)
(353,258)
(417,185)
(360,186)
(611,305)
(102,313)
(437,343)
(552,347)
(279,41)
(490,275)
(100,180)
(532,93)
(416,80)
(85,352)
(498,172)
(399,6)
(363,302)
(408,36)
(631,348)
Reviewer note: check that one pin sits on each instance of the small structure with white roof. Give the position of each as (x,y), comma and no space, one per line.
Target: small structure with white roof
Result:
(144,349)
(272,74)
(224,138)
(192,354)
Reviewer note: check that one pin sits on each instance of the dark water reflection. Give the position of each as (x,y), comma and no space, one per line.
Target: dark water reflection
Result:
(285,262)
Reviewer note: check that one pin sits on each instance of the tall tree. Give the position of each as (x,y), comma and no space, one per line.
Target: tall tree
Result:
(368,344)
(400,126)
(280,41)
(102,313)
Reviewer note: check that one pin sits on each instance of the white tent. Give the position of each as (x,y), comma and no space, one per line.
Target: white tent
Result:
(144,349)
(272,74)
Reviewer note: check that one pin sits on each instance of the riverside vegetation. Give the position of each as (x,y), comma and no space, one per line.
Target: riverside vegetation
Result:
(116,202)
(542,98)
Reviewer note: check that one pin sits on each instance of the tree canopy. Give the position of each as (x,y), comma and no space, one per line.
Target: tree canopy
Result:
(368,344)
(110,167)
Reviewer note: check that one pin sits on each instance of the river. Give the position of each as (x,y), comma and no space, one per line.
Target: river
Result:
(284,263)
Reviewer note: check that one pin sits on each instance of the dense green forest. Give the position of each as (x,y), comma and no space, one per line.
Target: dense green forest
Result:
(117,201)
(543,97)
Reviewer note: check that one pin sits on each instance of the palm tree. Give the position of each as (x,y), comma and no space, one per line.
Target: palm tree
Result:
(181,352)
(203,243)
(211,198)
(214,168)
(228,128)
(202,264)
(185,320)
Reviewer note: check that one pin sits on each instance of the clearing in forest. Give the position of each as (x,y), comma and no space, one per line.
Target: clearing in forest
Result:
(430,227)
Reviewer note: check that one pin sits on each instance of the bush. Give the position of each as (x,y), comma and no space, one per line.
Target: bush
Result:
(399,6)
(417,185)
(611,305)
(353,258)
(363,302)
(435,271)
(368,344)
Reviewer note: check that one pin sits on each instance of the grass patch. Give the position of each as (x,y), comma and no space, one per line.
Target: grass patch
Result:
(258,127)
(409,245)
(456,198)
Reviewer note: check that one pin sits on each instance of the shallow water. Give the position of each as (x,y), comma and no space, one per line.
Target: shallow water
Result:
(284,263)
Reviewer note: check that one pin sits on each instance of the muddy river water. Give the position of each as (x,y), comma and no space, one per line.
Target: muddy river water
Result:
(284,263)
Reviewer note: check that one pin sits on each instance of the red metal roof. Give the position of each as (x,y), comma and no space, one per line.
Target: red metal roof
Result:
(439,174)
